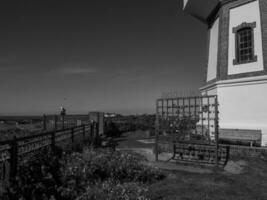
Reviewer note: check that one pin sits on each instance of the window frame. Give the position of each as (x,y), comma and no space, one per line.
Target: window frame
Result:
(237,29)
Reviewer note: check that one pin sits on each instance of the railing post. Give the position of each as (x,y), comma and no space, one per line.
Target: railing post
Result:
(53,142)
(63,121)
(97,129)
(156,132)
(72,135)
(83,132)
(44,122)
(13,157)
(55,122)
(91,132)
(97,134)
(94,134)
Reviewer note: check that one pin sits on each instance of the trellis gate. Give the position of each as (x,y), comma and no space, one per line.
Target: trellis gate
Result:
(191,125)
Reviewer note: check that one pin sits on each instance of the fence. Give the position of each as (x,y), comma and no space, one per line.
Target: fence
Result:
(15,151)
(191,125)
(55,122)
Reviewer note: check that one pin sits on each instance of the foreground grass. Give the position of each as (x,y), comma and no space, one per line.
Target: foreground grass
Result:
(107,175)
(251,184)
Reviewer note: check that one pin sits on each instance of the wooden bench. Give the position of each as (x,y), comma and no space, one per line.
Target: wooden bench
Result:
(240,137)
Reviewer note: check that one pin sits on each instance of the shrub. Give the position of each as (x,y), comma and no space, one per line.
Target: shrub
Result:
(37,178)
(101,174)
(120,167)
(109,190)
(112,130)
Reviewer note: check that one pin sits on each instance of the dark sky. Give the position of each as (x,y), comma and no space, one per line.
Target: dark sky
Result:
(108,55)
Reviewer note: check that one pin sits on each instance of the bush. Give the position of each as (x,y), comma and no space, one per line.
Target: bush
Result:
(99,174)
(112,130)
(109,190)
(37,179)
(120,167)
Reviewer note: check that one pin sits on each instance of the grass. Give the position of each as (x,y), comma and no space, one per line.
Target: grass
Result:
(8,131)
(251,184)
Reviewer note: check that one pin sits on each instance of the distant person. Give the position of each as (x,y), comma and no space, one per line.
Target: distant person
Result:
(62,111)
(62,114)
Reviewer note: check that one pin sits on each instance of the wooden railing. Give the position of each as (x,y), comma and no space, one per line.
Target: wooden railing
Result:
(15,151)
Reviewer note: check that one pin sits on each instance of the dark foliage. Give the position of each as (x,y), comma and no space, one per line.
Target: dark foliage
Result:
(62,176)
(38,178)
(112,130)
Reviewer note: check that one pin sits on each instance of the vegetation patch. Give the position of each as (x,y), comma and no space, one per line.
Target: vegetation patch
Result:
(91,174)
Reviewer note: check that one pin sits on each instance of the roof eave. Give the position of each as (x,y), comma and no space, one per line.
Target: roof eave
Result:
(200,9)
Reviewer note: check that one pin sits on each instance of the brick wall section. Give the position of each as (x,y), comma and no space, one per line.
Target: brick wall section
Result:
(223,43)
(224,12)
(263,6)
(245,151)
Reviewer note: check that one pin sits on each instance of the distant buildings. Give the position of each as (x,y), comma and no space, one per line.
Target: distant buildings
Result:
(110,115)
(98,117)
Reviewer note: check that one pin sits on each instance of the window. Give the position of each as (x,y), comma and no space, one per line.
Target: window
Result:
(244,35)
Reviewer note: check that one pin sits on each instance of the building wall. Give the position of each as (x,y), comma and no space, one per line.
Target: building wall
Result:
(248,13)
(213,50)
(242,104)
(241,89)
(209,91)
(223,54)
(241,95)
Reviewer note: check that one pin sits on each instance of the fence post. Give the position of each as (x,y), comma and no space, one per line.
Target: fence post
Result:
(53,142)
(83,132)
(216,131)
(156,132)
(13,157)
(72,135)
(97,128)
(63,121)
(55,122)
(94,133)
(91,130)
(98,134)
(91,133)
(44,122)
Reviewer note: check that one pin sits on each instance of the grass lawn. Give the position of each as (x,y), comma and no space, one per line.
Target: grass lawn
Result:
(249,184)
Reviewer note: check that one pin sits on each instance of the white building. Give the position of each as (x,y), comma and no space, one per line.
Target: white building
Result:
(237,60)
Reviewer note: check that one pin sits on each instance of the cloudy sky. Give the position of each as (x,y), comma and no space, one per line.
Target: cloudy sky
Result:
(107,55)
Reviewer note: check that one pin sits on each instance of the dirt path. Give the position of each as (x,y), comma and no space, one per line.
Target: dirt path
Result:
(162,164)
(136,143)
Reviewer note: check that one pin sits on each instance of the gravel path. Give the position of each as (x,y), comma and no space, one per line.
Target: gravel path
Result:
(162,164)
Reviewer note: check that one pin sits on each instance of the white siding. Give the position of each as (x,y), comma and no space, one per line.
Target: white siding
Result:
(213,51)
(242,103)
(248,13)
(244,106)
